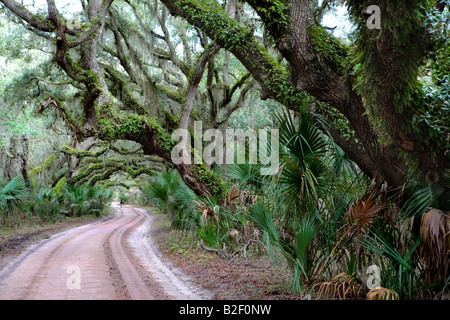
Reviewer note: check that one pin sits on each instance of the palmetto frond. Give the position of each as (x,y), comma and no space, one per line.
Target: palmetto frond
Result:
(12,195)
(380,293)
(364,211)
(301,140)
(246,174)
(341,286)
(209,210)
(303,171)
(435,246)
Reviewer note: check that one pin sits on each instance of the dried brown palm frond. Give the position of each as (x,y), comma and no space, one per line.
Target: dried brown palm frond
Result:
(380,293)
(341,286)
(208,213)
(233,195)
(248,199)
(364,212)
(434,249)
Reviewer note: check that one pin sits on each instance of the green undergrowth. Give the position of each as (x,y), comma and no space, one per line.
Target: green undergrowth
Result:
(236,278)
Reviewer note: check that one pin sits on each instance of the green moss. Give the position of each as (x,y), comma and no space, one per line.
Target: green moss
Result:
(118,88)
(231,34)
(173,95)
(212,180)
(91,168)
(59,187)
(277,80)
(405,38)
(35,171)
(328,47)
(337,120)
(83,153)
(45,166)
(274,13)
(102,170)
(109,183)
(102,176)
(196,114)
(68,115)
(48,162)
(135,173)
(226,29)
(87,77)
(114,125)
(170,121)
(165,140)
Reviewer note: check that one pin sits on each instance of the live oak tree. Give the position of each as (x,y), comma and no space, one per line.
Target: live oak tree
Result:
(137,70)
(106,95)
(369,94)
(96,161)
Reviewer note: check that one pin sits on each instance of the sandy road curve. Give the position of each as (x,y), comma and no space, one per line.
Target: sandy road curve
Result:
(114,259)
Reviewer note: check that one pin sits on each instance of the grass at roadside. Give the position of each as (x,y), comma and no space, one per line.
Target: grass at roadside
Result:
(250,278)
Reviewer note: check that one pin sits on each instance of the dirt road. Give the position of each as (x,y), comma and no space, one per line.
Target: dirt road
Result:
(112,260)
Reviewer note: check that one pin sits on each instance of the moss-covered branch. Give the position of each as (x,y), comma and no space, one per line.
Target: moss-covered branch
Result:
(35,20)
(115,125)
(74,125)
(387,76)
(275,15)
(86,153)
(103,170)
(238,39)
(120,90)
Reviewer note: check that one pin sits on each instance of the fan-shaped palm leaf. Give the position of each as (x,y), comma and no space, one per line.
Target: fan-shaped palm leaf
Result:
(12,195)
(303,170)
(303,140)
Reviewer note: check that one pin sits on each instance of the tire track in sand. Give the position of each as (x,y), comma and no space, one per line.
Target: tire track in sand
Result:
(115,258)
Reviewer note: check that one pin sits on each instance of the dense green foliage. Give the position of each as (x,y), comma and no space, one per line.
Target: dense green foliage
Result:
(88,112)
(12,195)
(18,202)
(318,216)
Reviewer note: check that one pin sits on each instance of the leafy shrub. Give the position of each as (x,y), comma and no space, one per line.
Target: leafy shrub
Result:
(46,204)
(12,196)
(160,190)
(72,201)
(82,200)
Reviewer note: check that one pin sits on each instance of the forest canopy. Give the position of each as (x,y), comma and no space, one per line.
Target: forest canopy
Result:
(92,92)
(181,61)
